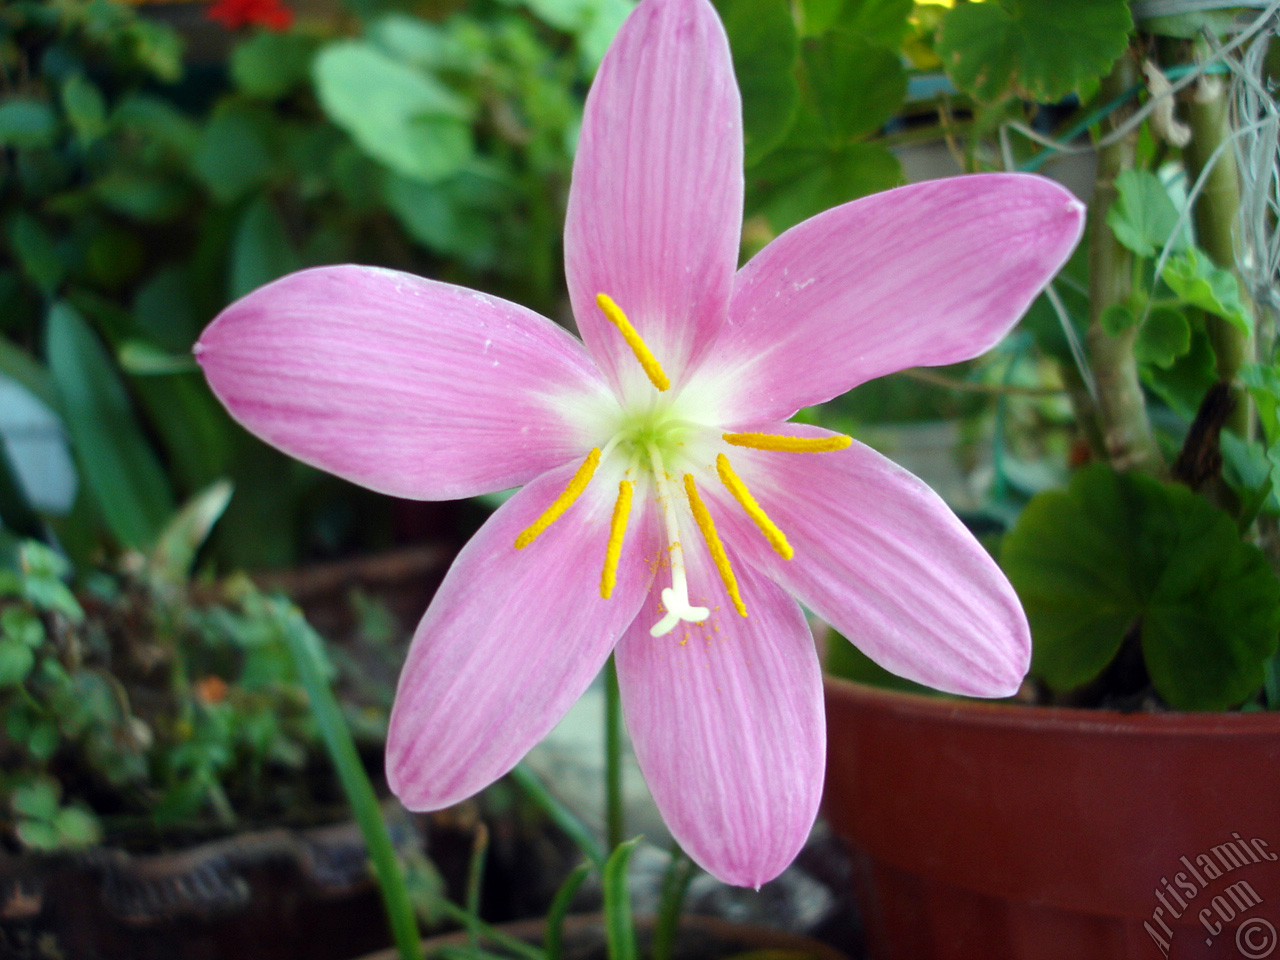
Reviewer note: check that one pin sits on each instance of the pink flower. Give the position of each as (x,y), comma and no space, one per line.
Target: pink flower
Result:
(669,513)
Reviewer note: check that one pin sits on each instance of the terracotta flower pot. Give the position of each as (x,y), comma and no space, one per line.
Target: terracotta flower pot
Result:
(699,938)
(998,832)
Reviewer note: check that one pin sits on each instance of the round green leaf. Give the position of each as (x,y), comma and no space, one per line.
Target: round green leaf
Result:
(762,36)
(1038,49)
(1164,337)
(1115,551)
(398,115)
(857,85)
(1144,217)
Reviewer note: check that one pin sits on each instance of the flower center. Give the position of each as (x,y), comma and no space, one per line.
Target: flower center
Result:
(657,443)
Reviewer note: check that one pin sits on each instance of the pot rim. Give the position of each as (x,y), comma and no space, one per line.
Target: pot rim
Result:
(1012,715)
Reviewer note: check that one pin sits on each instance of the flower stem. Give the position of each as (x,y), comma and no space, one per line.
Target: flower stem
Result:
(1122,410)
(614,814)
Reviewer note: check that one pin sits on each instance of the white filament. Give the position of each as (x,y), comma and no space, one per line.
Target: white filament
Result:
(675,597)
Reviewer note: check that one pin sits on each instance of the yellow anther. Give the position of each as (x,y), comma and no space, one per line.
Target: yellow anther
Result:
(562,502)
(773,441)
(629,333)
(777,539)
(617,528)
(702,517)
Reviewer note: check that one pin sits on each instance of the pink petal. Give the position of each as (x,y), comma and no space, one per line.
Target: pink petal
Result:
(404,385)
(927,274)
(511,640)
(655,206)
(881,558)
(727,722)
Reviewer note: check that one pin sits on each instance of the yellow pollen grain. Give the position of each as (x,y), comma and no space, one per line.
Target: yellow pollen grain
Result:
(562,502)
(702,516)
(617,528)
(777,539)
(629,333)
(773,441)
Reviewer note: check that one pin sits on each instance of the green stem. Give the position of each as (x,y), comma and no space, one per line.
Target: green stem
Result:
(488,933)
(1122,409)
(614,813)
(560,815)
(303,643)
(1214,214)
(475,877)
(675,885)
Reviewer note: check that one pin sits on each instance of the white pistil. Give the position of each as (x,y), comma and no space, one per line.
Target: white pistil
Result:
(675,597)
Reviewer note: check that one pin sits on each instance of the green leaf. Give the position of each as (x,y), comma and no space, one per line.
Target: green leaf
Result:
(143,359)
(762,36)
(1040,50)
(1144,217)
(1263,383)
(1117,318)
(1183,385)
(144,197)
(1164,337)
(172,559)
(261,250)
(115,460)
(77,827)
(36,251)
(157,47)
(880,21)
(619,930)
(27,123)
(42,741)
(553,939)
(414,41)
(1113,551)
(857,86)
(459,217)
(398,115)
(235,152)
(16,661)
(19,625)
(85,108)
(271,65)
(796,183)
(38,835)
(37,799)
(1195,278)
(158,121)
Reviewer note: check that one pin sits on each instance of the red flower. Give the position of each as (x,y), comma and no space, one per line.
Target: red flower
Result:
(234,14)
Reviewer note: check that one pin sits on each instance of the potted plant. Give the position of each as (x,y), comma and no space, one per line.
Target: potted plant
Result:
(164,787)
(1116,808)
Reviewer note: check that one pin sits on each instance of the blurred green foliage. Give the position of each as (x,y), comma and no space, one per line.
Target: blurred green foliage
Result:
(142,708)
(144,185)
